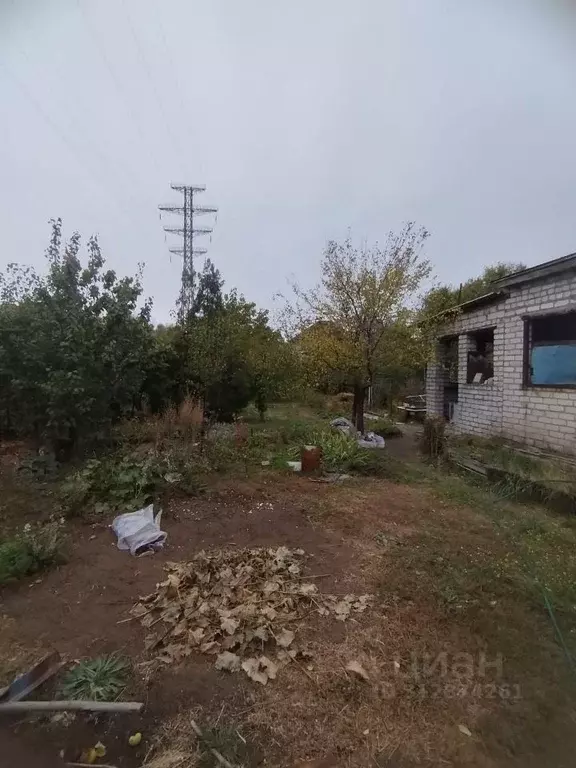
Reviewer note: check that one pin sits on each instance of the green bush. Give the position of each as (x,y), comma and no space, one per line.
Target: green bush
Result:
(72,346)
(16,560)
(125,483)
(340,452)
(38,546)
(384,428)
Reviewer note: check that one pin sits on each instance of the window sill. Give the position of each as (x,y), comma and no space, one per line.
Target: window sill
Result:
(479,385)
(550,386)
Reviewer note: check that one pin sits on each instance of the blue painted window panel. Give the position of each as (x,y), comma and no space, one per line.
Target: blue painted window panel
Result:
(554,364)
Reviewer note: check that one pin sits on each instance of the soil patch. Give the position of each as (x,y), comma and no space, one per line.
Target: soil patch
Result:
(440,604)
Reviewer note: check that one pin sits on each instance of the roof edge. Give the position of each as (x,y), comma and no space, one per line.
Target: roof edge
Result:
(476,303)
(538,272)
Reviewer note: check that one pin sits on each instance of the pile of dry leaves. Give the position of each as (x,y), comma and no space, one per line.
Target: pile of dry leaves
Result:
(238,605)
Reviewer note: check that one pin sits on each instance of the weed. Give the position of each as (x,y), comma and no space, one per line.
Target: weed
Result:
(15,560)
(46,542)
(99,679)
(539,554)
(384,428)
(340,452)
(129,482)
(433,440)
(39,466)
(225,741)
(38,546)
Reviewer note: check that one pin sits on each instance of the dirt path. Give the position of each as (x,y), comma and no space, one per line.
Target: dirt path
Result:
(365,535)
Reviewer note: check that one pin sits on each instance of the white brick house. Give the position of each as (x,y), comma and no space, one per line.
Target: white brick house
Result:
(506,362)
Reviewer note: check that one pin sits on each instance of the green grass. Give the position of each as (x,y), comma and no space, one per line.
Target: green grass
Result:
(228,743)
(537,548)
(99,679)
(543,477)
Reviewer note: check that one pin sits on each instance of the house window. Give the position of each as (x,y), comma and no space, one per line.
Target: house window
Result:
(550,350)
(480,366)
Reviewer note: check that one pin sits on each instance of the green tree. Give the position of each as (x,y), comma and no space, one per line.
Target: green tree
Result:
(444,297)
(72,345)
(215,345)
(364,295)
(208,298)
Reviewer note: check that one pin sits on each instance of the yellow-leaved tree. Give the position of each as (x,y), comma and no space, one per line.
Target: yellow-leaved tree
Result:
(363,311)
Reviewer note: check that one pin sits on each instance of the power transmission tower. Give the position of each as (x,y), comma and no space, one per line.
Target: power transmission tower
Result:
(188,232)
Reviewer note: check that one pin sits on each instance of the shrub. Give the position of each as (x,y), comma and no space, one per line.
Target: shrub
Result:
(433,441)
(46,542)
(38,546)
(340,452)
(15,560)
(99,679)
(384,428)
(125,483)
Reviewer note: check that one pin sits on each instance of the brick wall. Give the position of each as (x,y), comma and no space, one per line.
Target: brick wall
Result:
(535,415)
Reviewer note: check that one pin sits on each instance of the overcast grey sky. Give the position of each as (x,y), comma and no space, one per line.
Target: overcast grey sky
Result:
(303,119)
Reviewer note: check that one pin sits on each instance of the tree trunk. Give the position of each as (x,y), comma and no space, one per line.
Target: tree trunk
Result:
(358,407)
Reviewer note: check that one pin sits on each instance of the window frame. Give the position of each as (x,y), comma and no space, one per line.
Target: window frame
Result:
(527,347)
(483,330)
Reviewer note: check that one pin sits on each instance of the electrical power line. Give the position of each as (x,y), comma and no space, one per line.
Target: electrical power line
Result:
(188,231)
(122,91)
(148,72)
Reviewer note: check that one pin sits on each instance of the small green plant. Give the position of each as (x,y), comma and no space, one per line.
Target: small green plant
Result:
(227,742)
(384,428)
(15,561)
(99,679)
(38,546)
(128,482)
(46,542)
(340,452)
(39,466)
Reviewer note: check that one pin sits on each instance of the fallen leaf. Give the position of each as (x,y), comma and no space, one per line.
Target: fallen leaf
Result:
(228,661)
(100,749)
(362,603)
(465,730)
(261,633)
(195,635)
(342,610)
(271,586)
(269,666)
(285,638)
(270,612)
(228,602)
(229,625)
(358,669)
(210,647)
(252,669)
(88,756)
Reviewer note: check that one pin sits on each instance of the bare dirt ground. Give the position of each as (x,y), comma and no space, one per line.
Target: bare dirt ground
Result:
(429,700)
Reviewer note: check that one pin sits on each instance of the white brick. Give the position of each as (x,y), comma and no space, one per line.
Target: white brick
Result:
(544,417)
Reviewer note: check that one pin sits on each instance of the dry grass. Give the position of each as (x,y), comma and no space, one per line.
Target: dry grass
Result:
(442,600)
(322,709)
(184,422)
